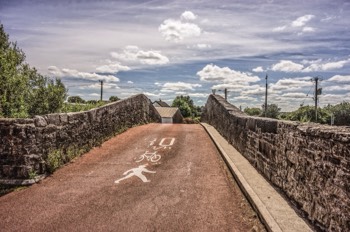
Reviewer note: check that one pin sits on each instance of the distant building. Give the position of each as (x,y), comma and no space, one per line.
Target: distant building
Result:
(170,114)
(160,103)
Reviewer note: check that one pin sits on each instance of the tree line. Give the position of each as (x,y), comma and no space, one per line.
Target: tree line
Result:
(339,113)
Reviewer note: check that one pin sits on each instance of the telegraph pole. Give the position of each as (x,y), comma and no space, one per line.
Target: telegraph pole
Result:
(266,95)
(101,90)
(225,94)
(316,98)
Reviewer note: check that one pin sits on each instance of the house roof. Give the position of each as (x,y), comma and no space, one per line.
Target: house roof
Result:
(167,112)
(161,103)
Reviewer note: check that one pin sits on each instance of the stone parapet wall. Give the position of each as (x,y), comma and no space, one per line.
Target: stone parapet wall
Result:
(33,147)
(310,163)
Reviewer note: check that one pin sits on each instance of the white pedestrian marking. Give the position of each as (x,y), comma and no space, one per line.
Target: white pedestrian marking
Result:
(136,172)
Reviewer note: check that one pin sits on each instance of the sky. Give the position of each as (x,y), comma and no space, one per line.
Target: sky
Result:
(169,48)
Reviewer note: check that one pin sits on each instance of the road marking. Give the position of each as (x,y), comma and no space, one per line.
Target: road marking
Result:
(136,172)
(153,157)
(172,140)
(150,156)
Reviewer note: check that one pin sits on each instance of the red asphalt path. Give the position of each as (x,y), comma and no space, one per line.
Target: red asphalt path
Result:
(189,188)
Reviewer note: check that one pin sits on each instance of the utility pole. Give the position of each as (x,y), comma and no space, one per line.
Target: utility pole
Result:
(225,94)
(266,96)
(316,99)
(101,90)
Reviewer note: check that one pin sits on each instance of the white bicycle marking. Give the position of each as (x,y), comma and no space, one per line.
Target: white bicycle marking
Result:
(150,156)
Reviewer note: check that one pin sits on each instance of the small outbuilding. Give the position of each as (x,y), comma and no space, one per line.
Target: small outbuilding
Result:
(160,103)
(170,114)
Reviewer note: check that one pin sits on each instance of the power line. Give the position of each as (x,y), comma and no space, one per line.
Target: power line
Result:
(307,95)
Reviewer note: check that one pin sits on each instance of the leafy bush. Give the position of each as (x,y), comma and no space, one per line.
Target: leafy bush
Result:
(75,99)
(73,107)
(114,98)
(252,111)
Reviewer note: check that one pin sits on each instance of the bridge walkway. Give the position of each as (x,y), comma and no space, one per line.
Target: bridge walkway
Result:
(153,177)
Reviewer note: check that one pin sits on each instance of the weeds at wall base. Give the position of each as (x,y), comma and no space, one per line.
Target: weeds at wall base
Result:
(58,157)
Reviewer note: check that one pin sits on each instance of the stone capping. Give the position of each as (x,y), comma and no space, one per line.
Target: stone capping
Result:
(34,147)
(308,162)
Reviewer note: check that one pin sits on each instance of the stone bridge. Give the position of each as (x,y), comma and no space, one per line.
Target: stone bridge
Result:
(308,163)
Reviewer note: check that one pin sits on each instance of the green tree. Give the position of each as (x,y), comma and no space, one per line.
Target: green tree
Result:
(113,98)
(23,91)
(47,96)
(307,114)
(75,99)
(252,111)
(272,111)
(186,106)
(341,113)
(13,84)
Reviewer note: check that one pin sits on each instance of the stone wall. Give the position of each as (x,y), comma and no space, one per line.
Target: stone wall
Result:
(31,148)
(310,163)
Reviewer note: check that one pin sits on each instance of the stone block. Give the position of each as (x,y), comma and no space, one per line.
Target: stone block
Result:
(53,119)
(63,118)
(40,121)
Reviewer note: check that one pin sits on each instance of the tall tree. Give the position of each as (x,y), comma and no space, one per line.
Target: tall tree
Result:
(23,91)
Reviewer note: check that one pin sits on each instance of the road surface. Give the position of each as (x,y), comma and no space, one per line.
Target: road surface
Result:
(153,177)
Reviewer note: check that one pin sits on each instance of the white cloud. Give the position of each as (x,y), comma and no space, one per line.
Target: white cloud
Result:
(338,87)
(133,53)
(55,71)
(98,86)
(112,68)
(287,66)
(308,29)
(290,84)
(94,94)
(317,65)
(203,46)
(188,15)
(278,29)
(151,57)
(214,73)
(130,82)
(258,69)
(229,86)
(334,65)
(199,95)
(340,79)
(301,21)
(294,95)
(297,25)
(149,94)
(256,91)
(176,30)
(178,86)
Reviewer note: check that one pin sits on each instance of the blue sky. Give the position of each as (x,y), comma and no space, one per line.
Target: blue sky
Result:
(167,48)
